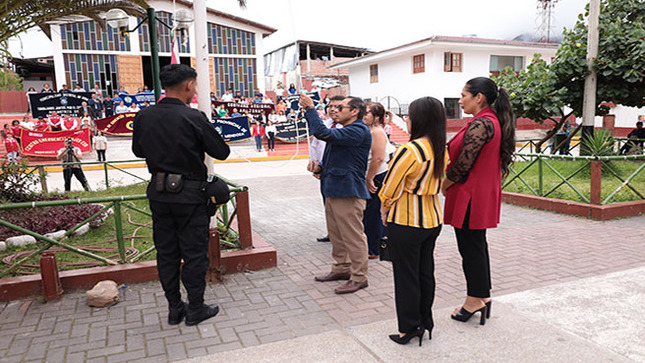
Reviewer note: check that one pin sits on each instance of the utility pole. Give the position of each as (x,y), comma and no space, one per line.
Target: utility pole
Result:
(589,100)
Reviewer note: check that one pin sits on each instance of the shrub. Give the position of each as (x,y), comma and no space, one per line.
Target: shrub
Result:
(16,184)
(46,219)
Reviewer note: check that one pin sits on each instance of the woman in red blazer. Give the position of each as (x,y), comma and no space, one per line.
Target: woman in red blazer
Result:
(480,154)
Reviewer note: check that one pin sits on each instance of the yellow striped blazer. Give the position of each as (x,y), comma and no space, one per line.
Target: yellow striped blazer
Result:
(410,190)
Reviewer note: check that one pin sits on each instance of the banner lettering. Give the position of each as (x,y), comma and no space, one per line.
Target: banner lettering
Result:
(47,144)
(119,125)
(233,129)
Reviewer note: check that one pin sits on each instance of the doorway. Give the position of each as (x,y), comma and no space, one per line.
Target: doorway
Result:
(147,67)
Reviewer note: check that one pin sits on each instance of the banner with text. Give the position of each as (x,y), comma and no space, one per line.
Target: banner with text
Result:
(42,104)
(47,144)
(253,108)
(291,131)
(119,125)
(139,99)
(233,129)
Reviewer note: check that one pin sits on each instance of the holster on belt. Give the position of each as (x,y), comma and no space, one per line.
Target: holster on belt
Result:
(167,182)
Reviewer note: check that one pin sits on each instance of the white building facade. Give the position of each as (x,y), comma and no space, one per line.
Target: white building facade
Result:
(437,67)
(85,54)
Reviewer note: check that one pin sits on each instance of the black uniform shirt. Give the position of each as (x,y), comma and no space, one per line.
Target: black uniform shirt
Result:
(173,138)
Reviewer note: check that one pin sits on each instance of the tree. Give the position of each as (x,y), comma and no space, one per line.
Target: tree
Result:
(542,92)
(19,15)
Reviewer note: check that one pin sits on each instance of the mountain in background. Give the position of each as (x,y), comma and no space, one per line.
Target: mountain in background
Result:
(530,37)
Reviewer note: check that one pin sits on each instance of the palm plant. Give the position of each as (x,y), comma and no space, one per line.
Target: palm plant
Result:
(17,16)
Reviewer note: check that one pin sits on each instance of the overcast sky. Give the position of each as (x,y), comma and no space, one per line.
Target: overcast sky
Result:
(372,24)
(384,24)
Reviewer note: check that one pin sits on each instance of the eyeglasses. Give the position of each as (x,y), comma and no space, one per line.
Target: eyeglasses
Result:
(340,107)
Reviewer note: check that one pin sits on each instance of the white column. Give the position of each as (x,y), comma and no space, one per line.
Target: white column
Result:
(308,58)
(259,56)
(59,62)
(135,47)
(201,61)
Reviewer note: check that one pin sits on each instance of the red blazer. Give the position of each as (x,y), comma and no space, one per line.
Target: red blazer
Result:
(257,130)
(483,188)
(11,145)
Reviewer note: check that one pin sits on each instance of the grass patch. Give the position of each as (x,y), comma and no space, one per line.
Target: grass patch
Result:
(137,235)
(102,241)
(581,181)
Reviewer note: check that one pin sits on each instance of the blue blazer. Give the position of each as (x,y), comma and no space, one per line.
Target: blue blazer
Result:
(344,162)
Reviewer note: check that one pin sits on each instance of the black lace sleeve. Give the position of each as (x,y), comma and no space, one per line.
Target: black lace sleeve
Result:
(480,131)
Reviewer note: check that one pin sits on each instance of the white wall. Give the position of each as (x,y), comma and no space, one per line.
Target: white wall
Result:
(625,116)
(397,80)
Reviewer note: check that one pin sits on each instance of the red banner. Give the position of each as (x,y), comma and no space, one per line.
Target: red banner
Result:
(119,125)
(47,144)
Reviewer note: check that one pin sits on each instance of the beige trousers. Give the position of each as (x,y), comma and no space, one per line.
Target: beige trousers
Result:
(349,243)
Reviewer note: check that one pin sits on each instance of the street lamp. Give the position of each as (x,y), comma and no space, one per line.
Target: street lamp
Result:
(119,19)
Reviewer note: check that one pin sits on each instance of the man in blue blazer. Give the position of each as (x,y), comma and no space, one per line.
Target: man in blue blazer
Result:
(342,179)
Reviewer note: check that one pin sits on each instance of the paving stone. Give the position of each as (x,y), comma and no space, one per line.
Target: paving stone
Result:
(130,356)
(285,302)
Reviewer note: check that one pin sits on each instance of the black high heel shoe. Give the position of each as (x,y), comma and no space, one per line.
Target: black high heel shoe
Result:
(464,315)
(429,333)
(403,340)
(489,304)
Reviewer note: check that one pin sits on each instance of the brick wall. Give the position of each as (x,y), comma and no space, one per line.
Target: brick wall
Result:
(211,69)
(130,71)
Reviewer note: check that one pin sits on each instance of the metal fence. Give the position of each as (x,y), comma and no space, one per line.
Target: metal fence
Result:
(596,165)
(237,210)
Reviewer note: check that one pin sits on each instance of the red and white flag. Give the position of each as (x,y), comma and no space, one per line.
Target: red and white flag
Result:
(174,57)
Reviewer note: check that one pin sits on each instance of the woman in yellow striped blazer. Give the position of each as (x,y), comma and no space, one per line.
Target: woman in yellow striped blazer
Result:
(410,205)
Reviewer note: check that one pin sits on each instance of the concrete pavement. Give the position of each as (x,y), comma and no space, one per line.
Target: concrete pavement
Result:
(565,289)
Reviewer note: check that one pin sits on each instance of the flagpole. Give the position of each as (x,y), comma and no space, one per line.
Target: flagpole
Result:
(203,71)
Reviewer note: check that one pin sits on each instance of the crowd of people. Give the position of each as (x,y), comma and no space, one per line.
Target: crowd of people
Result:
(371,191)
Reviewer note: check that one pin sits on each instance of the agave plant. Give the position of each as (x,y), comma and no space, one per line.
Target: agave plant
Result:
(601,143)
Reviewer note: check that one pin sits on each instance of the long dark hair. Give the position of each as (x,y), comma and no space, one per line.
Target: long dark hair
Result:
(378,111)
(498,98)
(428,119)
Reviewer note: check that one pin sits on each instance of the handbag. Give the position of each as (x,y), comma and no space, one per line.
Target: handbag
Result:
(384,249)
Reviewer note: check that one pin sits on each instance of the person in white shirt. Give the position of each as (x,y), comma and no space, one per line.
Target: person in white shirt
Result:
(134,107)
(121,108)
(267,99)
(317,147)
(228,96)
(270,131)
(27,123)
(273,117)
(100,145)
(282,117)
(79,88)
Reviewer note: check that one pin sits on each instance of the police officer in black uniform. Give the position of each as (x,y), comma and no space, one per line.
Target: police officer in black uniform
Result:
(173,138)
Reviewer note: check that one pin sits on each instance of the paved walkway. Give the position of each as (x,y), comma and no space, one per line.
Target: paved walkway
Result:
(565,290)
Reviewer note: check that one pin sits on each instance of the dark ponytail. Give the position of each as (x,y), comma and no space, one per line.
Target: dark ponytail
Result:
(502,107)
(498,99)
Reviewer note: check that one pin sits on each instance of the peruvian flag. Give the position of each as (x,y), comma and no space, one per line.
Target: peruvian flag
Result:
(174,58)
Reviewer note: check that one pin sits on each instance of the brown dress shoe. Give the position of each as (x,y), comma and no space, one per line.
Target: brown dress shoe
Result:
(350,287)
(332,276)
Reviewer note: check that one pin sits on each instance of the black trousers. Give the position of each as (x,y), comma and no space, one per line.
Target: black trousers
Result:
(271,140)
(180,232)
(78,173)
(373,226)
(100,154)
(413,264)
(475,259)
